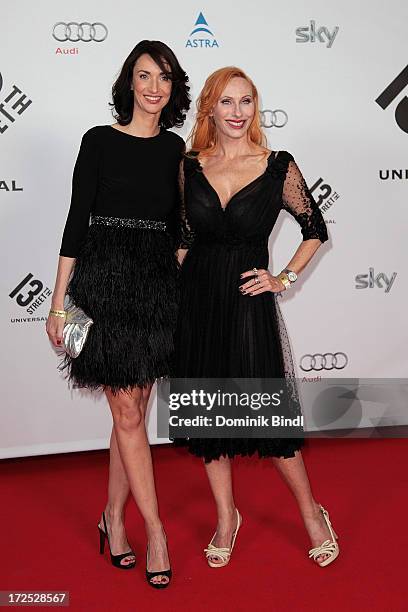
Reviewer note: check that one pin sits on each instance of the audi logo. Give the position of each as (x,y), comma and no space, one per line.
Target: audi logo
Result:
(83,31)
(273,118)
(323,361)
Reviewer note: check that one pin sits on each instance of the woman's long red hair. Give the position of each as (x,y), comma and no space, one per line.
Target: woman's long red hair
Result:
(203,136)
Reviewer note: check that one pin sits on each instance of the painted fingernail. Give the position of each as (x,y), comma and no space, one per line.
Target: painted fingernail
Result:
(243,292)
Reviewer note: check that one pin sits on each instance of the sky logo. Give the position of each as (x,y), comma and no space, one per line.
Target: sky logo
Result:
(201,36)
(313,34)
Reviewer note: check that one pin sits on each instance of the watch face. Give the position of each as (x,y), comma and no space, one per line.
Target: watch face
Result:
(284,278)
(292,276)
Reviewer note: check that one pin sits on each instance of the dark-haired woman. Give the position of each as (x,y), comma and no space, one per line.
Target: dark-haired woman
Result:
(118,242)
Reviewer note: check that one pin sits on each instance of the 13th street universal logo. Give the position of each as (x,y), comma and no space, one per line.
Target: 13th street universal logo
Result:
(390,93)
(325,196)
(10,185)
(29,294)
(201,35)
(13,103)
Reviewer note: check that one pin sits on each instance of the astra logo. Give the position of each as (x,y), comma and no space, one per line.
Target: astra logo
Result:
(364,281)
(201,36)
(393,174)
(311,34)
(390,93)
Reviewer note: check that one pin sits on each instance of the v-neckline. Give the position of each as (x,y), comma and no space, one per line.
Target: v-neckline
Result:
(243,188)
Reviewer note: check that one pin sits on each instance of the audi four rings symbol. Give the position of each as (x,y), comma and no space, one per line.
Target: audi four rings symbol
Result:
(323,361)
(83,31)
(273,118)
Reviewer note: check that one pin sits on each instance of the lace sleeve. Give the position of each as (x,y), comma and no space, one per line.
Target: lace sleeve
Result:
(299,202)
(186,234)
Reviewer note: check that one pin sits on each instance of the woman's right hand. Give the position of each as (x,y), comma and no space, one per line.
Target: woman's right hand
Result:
(55,327)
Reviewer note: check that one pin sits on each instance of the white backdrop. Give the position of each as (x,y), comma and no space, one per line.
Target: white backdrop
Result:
(335,129)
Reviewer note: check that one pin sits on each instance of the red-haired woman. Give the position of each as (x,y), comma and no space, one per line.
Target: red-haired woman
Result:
(229,322)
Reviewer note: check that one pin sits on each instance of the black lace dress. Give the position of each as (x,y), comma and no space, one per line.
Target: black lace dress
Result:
(222,333)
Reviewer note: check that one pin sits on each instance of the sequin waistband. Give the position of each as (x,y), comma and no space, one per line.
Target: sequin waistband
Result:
(132,223)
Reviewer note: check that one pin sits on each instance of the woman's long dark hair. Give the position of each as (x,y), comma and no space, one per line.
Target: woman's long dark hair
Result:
(174,113)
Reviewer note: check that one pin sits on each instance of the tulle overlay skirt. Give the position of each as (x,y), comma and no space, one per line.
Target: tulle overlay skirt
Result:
(125,279)
(221,333)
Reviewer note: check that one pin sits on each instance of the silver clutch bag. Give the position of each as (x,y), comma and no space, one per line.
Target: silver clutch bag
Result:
(76,328)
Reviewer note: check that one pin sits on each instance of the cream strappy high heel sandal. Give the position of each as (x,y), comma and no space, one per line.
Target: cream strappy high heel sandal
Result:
(222,553)
(329,547)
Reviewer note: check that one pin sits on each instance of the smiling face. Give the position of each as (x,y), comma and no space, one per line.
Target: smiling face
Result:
(234,110)
(151,86)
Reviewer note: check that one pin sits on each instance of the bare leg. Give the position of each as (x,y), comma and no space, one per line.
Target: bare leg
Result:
(118,491)
(219,476)
(128,411)
(294,473)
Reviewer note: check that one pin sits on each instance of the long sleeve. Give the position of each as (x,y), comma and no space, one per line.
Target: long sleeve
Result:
(299,202)
(186,234)
(84,188)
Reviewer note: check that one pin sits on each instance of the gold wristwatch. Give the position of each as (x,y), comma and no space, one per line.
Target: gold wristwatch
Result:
(287,277)
(292,276)
(285,280)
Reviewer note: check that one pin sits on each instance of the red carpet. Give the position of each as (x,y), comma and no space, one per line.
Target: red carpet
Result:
(51,504)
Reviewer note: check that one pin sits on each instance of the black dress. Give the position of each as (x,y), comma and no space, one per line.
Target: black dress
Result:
(222,333)
(120,229)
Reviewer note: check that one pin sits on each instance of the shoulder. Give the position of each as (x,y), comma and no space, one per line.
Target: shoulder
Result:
(279,163)
(190,163)
(283,156)
(176,140)
(94,135)
(191,156)
(96,131)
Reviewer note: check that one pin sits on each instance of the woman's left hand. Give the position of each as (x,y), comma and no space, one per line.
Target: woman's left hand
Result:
(260,282)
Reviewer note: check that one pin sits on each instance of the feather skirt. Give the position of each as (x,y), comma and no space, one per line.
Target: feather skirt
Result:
(125,279)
